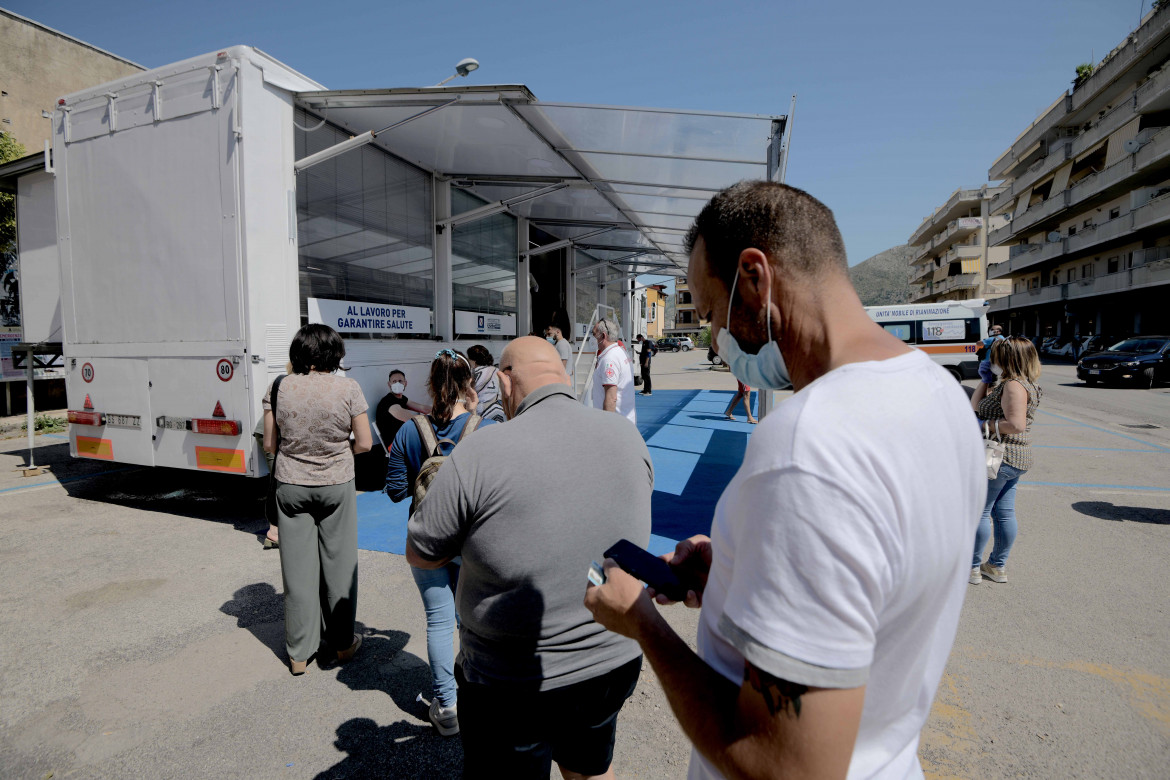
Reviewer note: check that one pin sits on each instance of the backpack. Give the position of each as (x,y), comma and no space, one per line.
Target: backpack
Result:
(434,454)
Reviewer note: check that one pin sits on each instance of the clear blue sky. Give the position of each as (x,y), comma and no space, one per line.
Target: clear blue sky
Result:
(898,103)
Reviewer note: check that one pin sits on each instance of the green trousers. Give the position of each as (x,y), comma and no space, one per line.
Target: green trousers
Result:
(318,562)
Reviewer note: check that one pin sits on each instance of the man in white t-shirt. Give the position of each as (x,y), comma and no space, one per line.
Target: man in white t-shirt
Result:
(613,377)
(833,578)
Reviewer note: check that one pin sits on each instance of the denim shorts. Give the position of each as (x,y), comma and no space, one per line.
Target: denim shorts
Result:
(517,733)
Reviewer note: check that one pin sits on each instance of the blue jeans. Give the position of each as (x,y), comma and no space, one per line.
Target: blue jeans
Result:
(1001,507)
(437,588)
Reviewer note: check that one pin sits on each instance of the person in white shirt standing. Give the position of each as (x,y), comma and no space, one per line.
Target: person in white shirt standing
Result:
(833,578)
(613,377)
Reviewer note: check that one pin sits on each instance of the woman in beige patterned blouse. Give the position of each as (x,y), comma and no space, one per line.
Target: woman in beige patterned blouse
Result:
(316,411)
(1009,404)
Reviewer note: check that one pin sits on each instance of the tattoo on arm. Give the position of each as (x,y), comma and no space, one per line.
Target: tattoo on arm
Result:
(779,695)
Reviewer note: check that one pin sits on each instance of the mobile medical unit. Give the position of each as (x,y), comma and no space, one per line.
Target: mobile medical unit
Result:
(948,331)
(205,210)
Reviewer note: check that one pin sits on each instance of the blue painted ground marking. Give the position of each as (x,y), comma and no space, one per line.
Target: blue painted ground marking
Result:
(672,469)
(382,523)
(679,437)
(1104,487)
(1095,449)
(64,480)
(695,454)
(1106,430)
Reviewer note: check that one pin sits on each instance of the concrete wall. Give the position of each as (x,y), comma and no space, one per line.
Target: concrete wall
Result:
(39,65)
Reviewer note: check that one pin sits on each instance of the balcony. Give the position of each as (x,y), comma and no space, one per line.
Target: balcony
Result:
(1121,59)
(1041,211)
(1154,95)
(1153,213)
(1101,181)
(1028,259)
(1058,153)
(919,275)
(1104,126)
(959,282)
(1099,234)
(940,214)
(1047,120)
(1000,304)
(1038,296)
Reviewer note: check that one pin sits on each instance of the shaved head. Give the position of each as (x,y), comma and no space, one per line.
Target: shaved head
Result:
(528,363)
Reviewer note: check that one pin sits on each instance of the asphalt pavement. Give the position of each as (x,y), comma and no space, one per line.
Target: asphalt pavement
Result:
(141,625)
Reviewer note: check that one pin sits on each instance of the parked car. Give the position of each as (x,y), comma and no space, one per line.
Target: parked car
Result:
(714,357)
(1143,360)
(1099,342)
(675,344)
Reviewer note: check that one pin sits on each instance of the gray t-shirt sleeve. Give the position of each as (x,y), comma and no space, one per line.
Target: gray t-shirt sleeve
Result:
(440,521)
(564,350)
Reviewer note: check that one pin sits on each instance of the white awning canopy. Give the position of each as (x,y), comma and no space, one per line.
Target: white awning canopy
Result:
(621,184)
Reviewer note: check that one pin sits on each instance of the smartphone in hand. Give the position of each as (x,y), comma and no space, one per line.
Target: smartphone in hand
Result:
(649,568)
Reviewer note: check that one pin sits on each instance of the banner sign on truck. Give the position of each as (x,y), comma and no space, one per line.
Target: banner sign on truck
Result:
(478,323)
(366,317)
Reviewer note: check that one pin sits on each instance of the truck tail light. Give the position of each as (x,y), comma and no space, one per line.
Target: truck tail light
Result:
(85,418)
(219,427)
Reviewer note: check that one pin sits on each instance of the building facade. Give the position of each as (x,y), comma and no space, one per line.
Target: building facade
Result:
(687,321)
(654,311)
(953,255)
(37,66)
(1086,192)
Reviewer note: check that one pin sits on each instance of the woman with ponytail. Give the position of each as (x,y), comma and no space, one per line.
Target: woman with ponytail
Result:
(452,416)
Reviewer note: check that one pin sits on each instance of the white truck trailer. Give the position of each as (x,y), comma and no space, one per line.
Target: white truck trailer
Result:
(192,243)
(178,260)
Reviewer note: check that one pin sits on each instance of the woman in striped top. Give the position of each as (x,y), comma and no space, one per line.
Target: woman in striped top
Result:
(1009,402)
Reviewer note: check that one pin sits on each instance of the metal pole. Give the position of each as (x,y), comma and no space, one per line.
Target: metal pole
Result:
(29,409)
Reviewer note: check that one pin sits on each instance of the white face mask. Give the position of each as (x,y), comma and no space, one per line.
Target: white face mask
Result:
(765,369)
(996,370)
(397,388)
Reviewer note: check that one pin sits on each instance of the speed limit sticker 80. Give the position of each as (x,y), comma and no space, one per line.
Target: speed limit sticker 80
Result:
(224,370)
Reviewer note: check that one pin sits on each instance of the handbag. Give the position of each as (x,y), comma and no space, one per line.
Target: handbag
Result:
(994,449)
(270,500)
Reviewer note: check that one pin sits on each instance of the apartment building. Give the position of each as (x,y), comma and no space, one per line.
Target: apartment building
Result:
(952,249)
(653,311)
(1086,191)
(686,317)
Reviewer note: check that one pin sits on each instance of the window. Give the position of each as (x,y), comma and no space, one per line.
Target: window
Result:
(1087,271)
(900,330)
(1055,278)
(1072,230)
(1111,266)
(1115,212)
(483,259)
(364,225)
(1070,275)
(1088,223)
(654,312)
(684,297)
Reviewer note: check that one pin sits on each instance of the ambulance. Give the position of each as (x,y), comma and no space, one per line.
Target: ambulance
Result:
(947,331)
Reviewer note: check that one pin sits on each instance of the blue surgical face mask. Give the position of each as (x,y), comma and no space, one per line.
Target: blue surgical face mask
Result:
(551,339)
(765,370)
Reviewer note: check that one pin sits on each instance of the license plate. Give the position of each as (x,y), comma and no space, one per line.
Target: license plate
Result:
(172,423)
(1095,371)
(124,420)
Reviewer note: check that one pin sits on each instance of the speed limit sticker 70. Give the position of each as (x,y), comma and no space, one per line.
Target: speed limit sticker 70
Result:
(87,373)
(224,370)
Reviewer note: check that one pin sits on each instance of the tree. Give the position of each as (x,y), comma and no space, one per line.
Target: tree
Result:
(704,339)
(1084,70)
(10,149)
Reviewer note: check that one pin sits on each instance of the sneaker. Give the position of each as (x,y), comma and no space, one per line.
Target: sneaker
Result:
(444,719)
(993,573)
(975,577)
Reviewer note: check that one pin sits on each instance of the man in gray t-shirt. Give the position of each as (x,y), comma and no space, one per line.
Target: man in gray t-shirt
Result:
(529,505)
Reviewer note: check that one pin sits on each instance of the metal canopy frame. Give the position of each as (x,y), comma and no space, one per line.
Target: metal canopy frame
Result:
(591,176)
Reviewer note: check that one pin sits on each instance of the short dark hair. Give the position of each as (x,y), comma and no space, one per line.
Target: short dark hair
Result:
(397,371)
(480,355)
(316,347)
(794,229)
